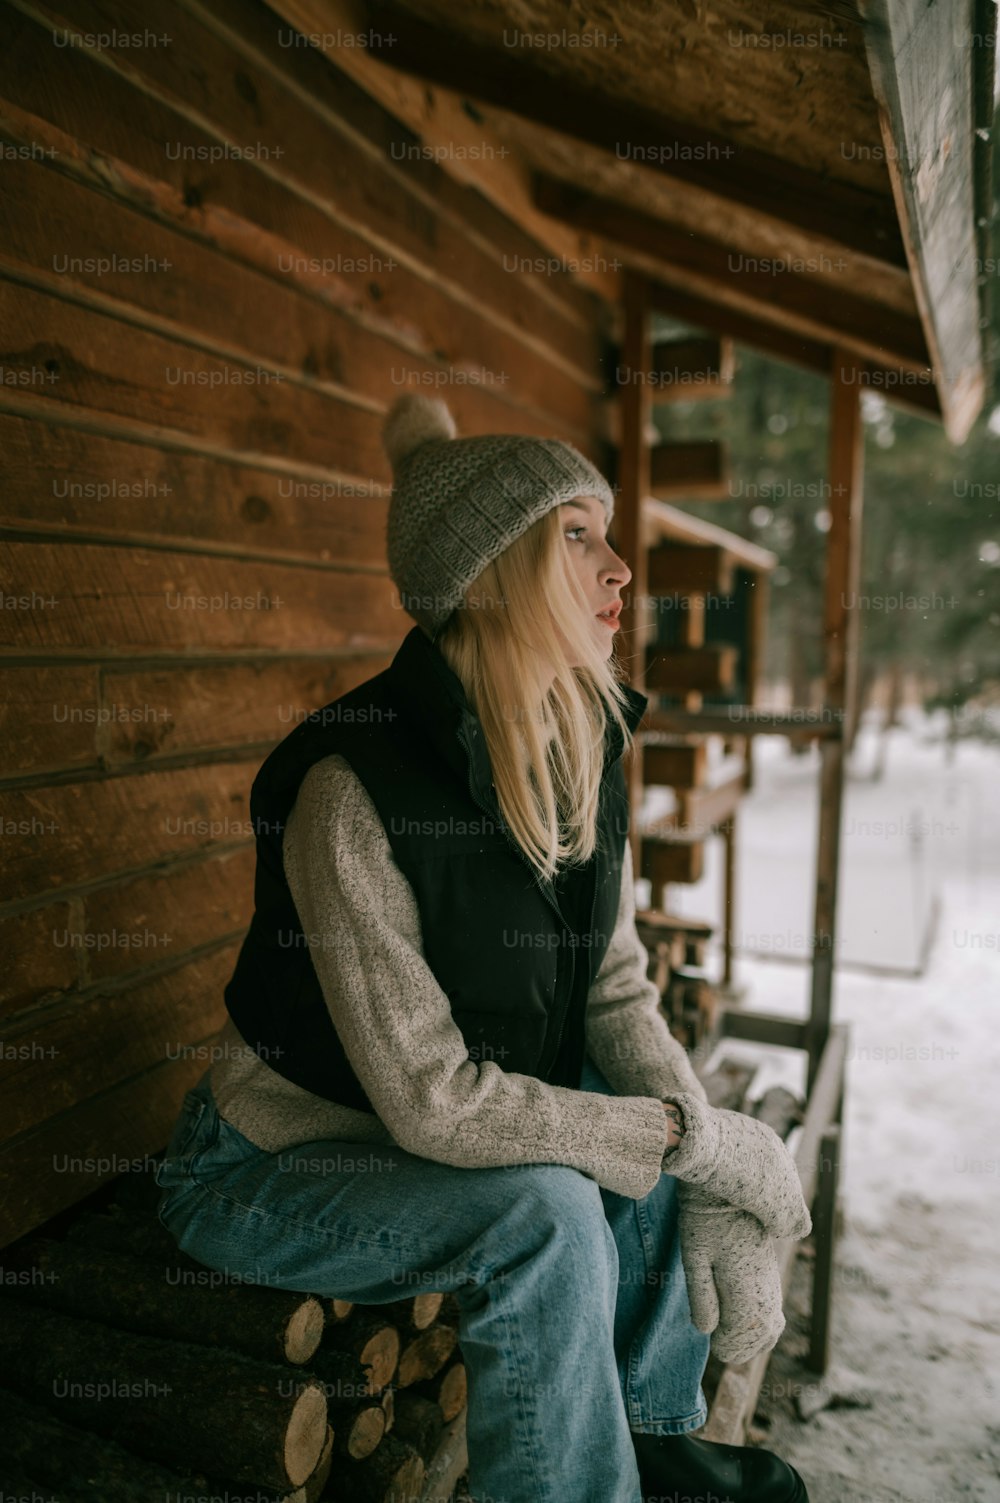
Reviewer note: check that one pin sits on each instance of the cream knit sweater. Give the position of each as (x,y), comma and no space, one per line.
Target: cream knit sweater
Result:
(361,918)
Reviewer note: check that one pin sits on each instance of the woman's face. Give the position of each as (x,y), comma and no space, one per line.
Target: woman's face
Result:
(602,574)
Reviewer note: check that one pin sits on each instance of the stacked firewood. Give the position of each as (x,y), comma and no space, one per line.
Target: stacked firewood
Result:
(131,1371)
(676,950)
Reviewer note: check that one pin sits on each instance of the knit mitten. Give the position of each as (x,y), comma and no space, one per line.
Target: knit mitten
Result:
(731,1271)
(741,1161)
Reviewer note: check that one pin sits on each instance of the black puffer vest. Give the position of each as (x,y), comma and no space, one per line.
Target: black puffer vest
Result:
(515,956)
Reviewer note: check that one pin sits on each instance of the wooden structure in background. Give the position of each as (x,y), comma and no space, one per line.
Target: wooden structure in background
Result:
(225,252)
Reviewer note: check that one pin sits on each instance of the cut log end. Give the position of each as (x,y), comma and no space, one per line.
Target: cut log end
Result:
(425,1310)
(304,1331)
(305,1435)
(366,1432)
(425,1355)
(373,1340)
(453,1393)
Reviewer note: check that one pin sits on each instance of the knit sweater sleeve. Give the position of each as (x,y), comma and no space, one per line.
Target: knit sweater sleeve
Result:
(395,1021)
(628,1037)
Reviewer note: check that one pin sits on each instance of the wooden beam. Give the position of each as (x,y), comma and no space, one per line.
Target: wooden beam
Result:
(920,57)
(629,537)
(762,1028)
(695,471)
(824,1234)
(840,638)
(444,125)
(669,524)
(843,561)
(672,764)
(920,397)
(758,285)
(707,668)
(667,859)
(840,214)
(692,639)
(692,370)
(744,720)
(760,589)
(729,894)
(704,811)
(682,570)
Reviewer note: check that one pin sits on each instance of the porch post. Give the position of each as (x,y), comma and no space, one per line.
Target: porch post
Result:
(840,647)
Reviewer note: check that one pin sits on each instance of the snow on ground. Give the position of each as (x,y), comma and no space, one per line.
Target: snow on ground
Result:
(917,1291)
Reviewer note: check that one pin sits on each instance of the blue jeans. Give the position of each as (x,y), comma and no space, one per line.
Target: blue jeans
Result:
(574,1324)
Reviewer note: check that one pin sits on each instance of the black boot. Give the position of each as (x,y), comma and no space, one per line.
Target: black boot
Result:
(677,1468)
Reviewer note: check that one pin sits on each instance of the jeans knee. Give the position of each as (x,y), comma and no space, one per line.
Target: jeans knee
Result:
(566,1207)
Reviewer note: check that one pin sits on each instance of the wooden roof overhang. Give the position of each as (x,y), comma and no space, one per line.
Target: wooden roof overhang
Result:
(803,177)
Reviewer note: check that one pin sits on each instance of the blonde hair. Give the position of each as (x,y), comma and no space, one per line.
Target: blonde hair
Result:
(544,721)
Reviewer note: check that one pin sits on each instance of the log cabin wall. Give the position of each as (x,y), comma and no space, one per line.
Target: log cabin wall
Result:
(220,263)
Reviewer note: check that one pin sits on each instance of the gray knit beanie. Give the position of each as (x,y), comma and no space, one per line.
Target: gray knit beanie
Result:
(458,503)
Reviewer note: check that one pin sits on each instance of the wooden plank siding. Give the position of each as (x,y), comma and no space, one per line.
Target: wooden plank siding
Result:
(221,262)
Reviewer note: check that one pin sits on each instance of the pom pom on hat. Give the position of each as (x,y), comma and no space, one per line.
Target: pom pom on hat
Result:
(414,420)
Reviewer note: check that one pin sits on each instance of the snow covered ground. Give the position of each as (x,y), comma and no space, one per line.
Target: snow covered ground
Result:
(917,1295)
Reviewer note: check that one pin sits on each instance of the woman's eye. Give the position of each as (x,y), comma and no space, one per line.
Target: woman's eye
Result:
(571,530)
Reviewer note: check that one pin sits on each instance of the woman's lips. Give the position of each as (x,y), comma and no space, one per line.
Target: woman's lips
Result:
(610,621)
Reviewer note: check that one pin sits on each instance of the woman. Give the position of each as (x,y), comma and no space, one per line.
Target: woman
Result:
(444,1067)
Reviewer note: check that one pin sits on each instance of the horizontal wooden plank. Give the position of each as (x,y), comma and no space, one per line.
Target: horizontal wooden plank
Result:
(691,370)
(63,353)
(68,1054)
(672,524)
(689,570)
(161,276)
(337,269)
(653,924)
(125,927)
(223,131)
(709,668)
(443,122)
(130,926)
(222,706)
(48,716)
(66,718)
(665,860)
(672,766)
(34,970)
(803,723)
(88,597)
(63,479)
(70,834)
(704,810)
(697,470)
(256,30)
(762,1028)
(68,354)
(72,1156)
